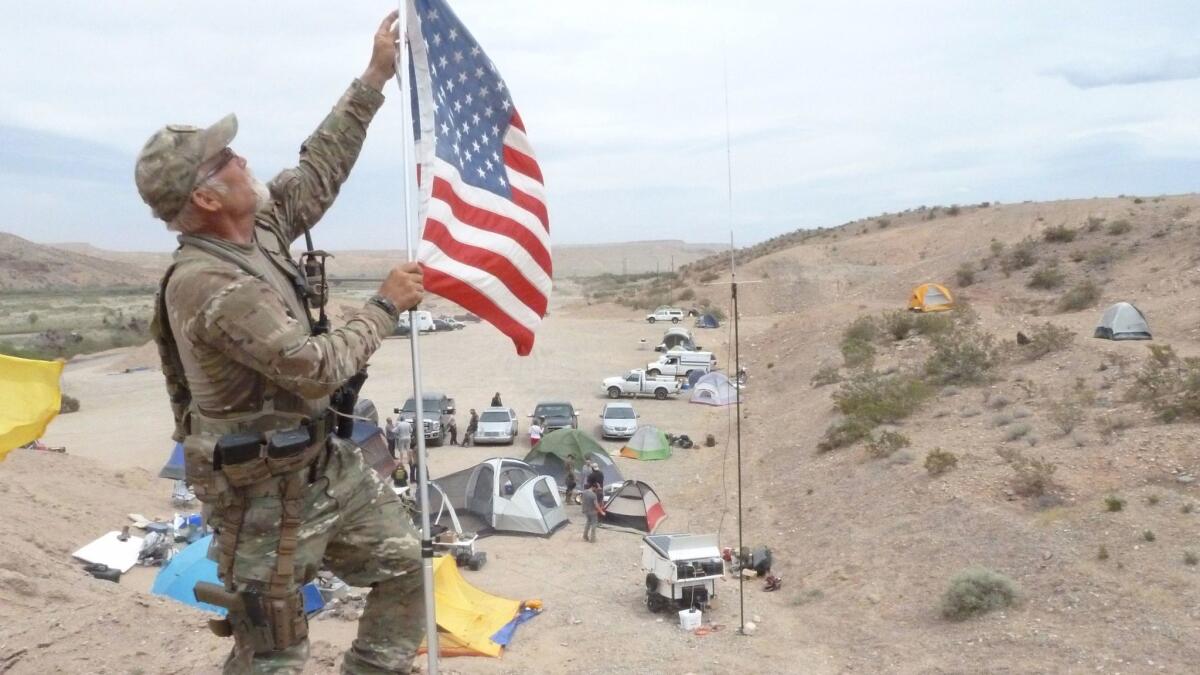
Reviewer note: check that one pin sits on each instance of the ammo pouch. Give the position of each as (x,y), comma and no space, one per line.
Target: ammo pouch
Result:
(241,451)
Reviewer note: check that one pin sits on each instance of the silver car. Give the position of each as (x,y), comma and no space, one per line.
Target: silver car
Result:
(618,420)
(497,425)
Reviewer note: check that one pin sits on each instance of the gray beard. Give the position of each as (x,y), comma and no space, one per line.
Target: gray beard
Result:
(262,194)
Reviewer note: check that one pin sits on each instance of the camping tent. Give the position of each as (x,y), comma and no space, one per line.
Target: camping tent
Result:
(635,505)
(470,621)
(931,298)
(174,468)
(1123,321)
(714,389)
(504,495)
(678,338)
(707,321)
(178,578)
(549,456)
(647,443)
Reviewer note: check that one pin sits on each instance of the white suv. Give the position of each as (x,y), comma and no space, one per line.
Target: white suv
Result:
(672,314)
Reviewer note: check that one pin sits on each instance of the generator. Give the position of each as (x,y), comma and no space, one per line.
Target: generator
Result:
(681,570)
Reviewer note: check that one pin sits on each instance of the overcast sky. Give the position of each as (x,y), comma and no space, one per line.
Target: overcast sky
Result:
(836,110)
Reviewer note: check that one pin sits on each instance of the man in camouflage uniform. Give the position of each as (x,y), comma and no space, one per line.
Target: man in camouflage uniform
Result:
(241,357)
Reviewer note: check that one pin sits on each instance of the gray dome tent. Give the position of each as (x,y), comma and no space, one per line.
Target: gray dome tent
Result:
(1123,321)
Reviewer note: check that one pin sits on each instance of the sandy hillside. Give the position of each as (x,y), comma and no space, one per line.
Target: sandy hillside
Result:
(25,266)
(866,546)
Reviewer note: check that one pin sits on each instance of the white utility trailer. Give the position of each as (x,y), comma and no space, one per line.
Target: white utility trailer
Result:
(681,570)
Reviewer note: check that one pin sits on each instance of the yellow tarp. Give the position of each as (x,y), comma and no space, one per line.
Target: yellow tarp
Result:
(467,617)
(29,399)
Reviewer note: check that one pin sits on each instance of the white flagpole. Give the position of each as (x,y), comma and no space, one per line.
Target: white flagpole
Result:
(411,237)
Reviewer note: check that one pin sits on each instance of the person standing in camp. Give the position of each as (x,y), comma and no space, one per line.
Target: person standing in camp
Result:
(452,429)
(569,495)
(251,375)
(404,430)
(390,430)
(592,510)
(496,400)
(535,432)
(472,428)
(595,475)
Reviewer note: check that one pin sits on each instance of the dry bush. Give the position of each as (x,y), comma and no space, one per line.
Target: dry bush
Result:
(1047,339)
(1081,296)
(845,432)
(1118,227)
(977,591)
(1059,234)
(965,275)
(1113,503)
(857,353)
(1031,477)
(1047,277)
(685,295)
(864,328)
(962,357)
(1021,255)
(898,323)
(1110,425)
(1017,431)
(886,443)
(938,461)
(826,375)
(1168,385)
(1095,223)
(708,277)
(69,404)
(871,399)
(934,324)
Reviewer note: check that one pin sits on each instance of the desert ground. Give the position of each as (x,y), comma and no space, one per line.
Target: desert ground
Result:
(1101,550)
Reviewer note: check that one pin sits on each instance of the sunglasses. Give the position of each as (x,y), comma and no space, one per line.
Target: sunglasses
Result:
(222,158)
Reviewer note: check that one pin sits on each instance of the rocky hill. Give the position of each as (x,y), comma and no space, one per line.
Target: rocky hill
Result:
(26,266)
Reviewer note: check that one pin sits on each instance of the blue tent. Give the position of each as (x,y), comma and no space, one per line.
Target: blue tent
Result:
(173,469)
(707,321)
(179,576)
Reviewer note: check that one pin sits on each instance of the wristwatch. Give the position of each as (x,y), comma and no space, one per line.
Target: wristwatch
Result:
(384,304)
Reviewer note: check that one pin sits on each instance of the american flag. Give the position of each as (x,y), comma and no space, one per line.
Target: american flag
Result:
(485,241)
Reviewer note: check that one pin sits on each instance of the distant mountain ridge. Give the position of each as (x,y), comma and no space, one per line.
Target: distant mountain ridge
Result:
(27,266)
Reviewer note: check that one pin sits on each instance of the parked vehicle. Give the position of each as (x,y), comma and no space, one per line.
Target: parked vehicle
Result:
(424,321)
(437,410)
(640,383)
(618,420)
(448,323)
(681,364)
(664,313)
(558,415)
(497,425)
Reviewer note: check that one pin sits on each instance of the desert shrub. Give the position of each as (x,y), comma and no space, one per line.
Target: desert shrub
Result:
(1109,425)
(1047,277)
(685,295)
(933,324)
(1168,385)
(1031,477)
(1095,223)
(977,591)
(1017,431)
(1113,503)
(883,223)
(898,323)
(1080,296)
(938,461)
(845,432)
(826,375)
(954,210)
(965,275)
(1077,256)
(1059,234)
(1102,256)
(1002,420)
(1047,339)
(1190,559)
(856,353)
(69,404)
(887,443)
(996,247)
(1153,500)
(1118,227)
(709,277)
(863,328)
(1022,255)
(1066,414)
(961,357)
(1102,553)
(881,399)
(1148,535)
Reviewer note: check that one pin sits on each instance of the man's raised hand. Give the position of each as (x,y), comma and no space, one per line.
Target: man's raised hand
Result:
(383,53)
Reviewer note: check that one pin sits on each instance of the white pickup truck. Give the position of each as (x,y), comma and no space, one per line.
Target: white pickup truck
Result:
(664,313)
(635,383)
(681,364)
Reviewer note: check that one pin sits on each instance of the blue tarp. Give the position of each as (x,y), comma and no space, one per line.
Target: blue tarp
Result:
(173,469)
(179,576)
(505,635)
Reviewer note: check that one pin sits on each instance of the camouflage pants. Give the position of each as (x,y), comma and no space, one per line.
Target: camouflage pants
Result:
(353,525)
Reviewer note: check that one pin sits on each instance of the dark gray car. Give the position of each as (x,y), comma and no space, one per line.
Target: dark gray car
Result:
(558,415)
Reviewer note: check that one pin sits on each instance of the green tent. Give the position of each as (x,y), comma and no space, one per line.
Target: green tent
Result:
(549,457)
(647,443)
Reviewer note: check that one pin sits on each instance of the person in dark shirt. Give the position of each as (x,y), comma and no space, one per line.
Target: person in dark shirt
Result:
(496,400)
(472,427)
(592,510)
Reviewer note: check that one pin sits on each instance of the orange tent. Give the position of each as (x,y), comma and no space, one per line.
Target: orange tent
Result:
(931,298)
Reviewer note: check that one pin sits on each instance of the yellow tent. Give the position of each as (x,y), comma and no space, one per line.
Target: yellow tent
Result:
(29,399)
(467,617)
(931,298)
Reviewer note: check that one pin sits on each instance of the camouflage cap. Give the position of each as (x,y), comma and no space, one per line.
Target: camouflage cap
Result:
(168,166)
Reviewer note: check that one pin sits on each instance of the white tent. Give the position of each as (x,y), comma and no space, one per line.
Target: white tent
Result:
(714,389)
(1123,321)
(506,495)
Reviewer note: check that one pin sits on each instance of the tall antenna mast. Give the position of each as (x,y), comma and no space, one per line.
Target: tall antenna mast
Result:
(737,357)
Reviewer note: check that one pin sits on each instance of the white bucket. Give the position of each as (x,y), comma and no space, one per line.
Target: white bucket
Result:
(690,619)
